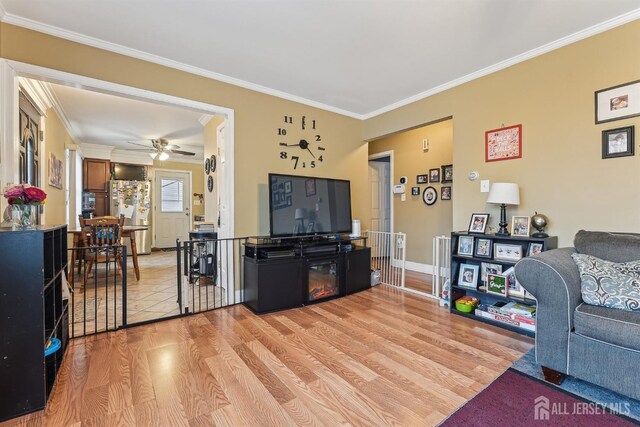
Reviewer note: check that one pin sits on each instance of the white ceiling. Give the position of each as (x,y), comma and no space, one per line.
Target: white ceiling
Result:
(354,57)
(97,118)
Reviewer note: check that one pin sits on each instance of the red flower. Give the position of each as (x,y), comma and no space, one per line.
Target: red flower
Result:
(34,194)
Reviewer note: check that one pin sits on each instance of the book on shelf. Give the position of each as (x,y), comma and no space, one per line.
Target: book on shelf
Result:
(505,319)
(501,308)
(517,308)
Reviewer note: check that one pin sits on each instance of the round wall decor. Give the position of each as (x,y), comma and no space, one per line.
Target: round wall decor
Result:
(429,196)
(207,166)
(210,183)
(212,163)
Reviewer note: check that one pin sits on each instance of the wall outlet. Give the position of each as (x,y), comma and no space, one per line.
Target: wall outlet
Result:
(484,186)
(403,197)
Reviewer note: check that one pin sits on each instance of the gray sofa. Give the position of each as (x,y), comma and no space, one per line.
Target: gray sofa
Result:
(596,344)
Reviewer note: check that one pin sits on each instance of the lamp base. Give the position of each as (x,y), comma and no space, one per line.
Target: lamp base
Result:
(501,234)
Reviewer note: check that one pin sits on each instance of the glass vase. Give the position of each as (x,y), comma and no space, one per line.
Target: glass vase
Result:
(23,217)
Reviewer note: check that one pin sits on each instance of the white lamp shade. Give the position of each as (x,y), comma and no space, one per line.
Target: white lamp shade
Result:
(504,193)
(301,213)
(163,156)
(154,155)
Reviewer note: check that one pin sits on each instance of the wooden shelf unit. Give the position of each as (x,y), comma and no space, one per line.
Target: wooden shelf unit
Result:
(32,311)
(484,297)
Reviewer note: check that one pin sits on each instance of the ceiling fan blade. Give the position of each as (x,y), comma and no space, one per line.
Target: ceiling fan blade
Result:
(147,150)
(171,147)
(141,145)
(184,153)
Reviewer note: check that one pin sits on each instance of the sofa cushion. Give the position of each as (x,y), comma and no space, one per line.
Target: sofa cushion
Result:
(616,247)
(613,326)
(609,284)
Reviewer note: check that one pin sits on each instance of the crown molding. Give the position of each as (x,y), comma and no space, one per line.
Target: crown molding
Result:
(557,44)
(97,151)
(62,115)
(38,93)
(156,59)
(3,11)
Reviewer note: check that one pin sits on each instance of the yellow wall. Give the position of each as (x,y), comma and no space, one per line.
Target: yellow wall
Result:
(413,217)
(257,117)
(562,173)
(55,138)
(197,179)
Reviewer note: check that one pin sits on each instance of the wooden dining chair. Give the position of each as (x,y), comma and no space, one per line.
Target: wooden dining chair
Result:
(103,236)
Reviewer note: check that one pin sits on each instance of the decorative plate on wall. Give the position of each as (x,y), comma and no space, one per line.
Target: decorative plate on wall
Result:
(207,166)
(212,163)
(430,195)
(210,183)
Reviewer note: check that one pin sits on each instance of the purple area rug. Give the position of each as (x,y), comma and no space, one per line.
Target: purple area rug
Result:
(516,399)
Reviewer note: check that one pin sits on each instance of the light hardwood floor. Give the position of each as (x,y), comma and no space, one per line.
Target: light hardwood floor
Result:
(379,357)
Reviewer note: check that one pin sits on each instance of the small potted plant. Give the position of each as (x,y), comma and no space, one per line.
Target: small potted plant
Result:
(22,198)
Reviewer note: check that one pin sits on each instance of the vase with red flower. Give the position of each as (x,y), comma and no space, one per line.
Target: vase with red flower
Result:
(23,199)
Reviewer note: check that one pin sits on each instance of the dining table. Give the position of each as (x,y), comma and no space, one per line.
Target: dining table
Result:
(128,231)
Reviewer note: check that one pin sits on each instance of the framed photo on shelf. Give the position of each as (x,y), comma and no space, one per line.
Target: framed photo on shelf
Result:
(478,223)
(502,251)
(468,277)
(520,226)
(422,179)
(618,142)
(514,289)
(487,268)
(445,193)
(465,245)
(483,248)
(497,284)
(503,144)
(618,102)
(534,248)
(447,173)
(434,175)
(415,191)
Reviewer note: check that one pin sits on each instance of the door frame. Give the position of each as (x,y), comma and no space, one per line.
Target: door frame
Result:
(379,156)
(154,201)
(11,70)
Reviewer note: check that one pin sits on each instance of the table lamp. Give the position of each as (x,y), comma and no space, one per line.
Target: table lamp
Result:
(300,215)
(504,193)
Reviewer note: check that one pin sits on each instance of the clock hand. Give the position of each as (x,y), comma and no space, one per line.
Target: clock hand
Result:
(310,152)
(283,144)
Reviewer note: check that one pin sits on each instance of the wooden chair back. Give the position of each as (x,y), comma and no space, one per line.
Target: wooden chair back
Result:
(102,231)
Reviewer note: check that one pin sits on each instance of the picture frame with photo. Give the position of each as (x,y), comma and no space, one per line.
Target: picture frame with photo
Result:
(434,175)
(445,193)
(483,248)
(468,276)
(465,245)
(447,173)
(422,179)
(497,284)
(415,191)
(487,268)
(478,223)
(310,187)
(618,142)
(534,248)
(520,226)
(504,143)
(514,289)
(505,252)
(618,102)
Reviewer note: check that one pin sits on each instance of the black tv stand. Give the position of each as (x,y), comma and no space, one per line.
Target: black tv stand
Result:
(291,272)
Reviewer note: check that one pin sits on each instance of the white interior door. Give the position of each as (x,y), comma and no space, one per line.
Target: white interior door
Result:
(380,190)
(172,207)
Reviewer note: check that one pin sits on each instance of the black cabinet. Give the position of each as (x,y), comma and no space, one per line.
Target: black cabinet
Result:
(272,285)
(496,254)
(287,273)
(357,273)
(32,312)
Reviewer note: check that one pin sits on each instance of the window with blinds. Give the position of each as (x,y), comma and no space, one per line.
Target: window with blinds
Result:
(172,195)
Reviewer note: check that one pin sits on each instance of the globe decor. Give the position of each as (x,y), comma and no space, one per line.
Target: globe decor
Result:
(23,199)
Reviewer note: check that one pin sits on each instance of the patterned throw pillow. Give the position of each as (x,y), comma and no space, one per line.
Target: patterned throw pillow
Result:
(609,284)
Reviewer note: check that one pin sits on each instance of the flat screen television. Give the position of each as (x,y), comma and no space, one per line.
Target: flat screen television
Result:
(307,206)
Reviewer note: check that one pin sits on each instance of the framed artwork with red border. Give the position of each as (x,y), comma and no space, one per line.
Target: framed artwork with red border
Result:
(503,144)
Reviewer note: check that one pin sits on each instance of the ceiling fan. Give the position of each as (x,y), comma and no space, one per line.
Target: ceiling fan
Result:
(160,148)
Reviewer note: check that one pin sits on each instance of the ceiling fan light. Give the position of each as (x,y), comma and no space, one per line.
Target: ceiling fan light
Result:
(163,156)
(153,155)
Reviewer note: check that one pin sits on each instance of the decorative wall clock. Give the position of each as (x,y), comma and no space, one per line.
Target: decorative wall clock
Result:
(300,143)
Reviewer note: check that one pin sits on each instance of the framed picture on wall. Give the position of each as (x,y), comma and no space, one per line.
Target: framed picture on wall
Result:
(618,142)
(503,144)
(422,179)
(618,102)
(445,193)
(447,173)
(55,171)
(434,175)
(415,191)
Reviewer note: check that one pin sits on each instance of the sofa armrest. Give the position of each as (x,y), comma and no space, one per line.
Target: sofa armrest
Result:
(552,277)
